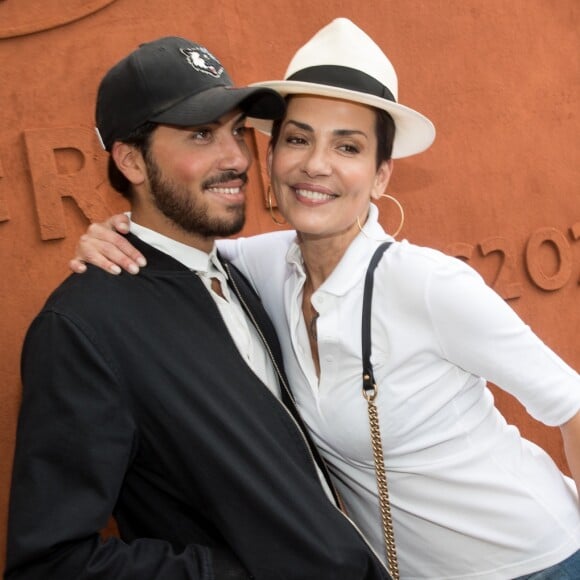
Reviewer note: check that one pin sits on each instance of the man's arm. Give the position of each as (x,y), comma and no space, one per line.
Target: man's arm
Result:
(75,442)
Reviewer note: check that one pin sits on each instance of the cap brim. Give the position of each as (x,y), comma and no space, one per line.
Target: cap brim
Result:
(208,106)
(413,134)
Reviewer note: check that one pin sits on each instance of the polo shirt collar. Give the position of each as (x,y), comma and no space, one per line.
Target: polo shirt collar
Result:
(354,263)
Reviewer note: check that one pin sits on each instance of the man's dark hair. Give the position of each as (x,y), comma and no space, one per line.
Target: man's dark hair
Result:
(141,139)
(384,130)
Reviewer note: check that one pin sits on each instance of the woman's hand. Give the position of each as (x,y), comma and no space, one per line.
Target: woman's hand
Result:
(103,247)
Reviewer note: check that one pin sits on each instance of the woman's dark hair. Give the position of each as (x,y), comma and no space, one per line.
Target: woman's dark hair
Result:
(139,138)
(384,129)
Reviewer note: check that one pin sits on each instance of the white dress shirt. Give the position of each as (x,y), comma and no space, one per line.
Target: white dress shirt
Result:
(207,266)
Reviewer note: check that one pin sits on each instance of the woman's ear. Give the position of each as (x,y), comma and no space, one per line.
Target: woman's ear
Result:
(382,179)
(129,161)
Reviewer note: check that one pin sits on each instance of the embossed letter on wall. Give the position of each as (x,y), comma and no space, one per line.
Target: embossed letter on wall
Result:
(20,17)
(60,170)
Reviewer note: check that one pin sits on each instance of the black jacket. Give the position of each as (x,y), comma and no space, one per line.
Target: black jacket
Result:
(137,403)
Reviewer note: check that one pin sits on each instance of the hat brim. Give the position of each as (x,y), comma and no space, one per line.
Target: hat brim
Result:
(210,105)
(414,133)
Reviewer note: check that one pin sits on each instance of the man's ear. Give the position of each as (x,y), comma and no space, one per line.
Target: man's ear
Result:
(382,179)
(129,161)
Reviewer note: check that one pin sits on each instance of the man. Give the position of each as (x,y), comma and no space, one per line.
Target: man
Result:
(161,398)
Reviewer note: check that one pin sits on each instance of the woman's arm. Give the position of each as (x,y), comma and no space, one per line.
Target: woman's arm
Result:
(571,436)
(482,334)
(103,247)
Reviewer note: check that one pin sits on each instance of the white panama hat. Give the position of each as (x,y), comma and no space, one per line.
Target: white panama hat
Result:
(343,62)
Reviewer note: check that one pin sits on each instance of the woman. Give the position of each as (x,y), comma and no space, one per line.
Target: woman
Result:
(469,497)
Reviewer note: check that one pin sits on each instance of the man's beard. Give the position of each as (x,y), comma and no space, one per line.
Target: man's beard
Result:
(191,215)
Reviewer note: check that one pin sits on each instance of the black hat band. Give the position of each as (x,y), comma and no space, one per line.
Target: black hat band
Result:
(344,78)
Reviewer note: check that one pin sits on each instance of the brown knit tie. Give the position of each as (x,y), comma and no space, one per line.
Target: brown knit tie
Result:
(217,287)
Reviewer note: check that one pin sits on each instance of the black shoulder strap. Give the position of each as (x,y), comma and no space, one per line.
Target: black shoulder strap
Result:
(368,378)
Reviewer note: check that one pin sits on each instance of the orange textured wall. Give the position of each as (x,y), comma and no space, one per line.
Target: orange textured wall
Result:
(499,187)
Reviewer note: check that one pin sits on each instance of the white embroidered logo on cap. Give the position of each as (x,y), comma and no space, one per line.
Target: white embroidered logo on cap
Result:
(202,60)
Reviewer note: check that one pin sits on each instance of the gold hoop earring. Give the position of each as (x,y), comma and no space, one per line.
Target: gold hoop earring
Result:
(271,209)
(362,231)
(398,204)
(396,201)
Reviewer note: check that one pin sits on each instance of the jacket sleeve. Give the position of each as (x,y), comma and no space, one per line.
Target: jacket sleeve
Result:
(75,440)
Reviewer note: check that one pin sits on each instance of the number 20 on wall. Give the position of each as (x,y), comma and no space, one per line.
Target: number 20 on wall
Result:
(541,241)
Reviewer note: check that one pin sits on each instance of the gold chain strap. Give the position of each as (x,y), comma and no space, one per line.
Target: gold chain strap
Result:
(381,475)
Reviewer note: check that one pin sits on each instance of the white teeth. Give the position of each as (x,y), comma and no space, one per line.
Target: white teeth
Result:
(225,190)
(316,195)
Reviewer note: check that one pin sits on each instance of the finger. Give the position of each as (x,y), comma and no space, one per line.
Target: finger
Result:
(106,255)
(77,266)
(96,253)
(115,247)
(119,222)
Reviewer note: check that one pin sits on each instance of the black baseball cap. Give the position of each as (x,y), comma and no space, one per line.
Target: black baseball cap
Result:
(176,82)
